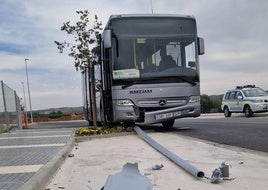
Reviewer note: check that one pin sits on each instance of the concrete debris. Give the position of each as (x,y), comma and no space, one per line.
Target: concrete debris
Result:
(157,167)
(216,176)
(221,173)
(129,178)
(70,155)
(224,169)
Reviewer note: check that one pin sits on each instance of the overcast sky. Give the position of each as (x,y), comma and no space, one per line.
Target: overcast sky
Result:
(235,34)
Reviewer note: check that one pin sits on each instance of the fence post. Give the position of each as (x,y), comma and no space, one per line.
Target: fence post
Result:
(18,109)
(5,106)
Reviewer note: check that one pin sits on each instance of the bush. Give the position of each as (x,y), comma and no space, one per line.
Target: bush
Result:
(51,115)
(211,104)
(85,131)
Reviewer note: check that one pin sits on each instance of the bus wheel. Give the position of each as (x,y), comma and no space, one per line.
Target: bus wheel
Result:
(248,111)
(226,112)
(168,124)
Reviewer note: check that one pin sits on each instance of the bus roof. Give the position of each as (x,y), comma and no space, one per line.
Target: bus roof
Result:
(149,16)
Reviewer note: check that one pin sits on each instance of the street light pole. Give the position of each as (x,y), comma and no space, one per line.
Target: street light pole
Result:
(24,102)
(151,2)
(30,103)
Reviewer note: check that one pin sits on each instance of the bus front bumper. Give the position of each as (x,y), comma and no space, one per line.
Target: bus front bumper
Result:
(132,114)
(171,113)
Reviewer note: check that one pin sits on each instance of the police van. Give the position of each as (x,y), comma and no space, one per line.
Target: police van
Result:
(247,99)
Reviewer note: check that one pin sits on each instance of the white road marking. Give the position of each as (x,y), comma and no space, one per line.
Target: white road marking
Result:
(19,169)
(34,137)
(31,146)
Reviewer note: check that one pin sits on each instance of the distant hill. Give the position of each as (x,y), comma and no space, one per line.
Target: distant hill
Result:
(64,110)
(216,97)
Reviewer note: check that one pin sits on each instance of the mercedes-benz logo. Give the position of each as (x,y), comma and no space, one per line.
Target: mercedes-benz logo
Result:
(162,102)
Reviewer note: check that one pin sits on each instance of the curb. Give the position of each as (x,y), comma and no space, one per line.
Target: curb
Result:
(39,180)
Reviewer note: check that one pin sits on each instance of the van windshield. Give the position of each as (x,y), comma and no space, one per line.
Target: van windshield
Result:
(255,92)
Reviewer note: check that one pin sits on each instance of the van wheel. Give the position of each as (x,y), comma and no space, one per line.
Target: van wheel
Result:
(168,124)
(226,112)
(248,111)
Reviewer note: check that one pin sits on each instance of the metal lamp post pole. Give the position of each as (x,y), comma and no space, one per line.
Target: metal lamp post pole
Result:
(28,90)
(24,104)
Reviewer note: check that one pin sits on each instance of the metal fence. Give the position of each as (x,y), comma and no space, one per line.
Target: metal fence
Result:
(10,109)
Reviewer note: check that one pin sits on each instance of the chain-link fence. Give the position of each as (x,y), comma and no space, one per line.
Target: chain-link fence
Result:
(10,109)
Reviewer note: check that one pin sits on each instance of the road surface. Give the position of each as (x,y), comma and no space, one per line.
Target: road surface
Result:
(251,133)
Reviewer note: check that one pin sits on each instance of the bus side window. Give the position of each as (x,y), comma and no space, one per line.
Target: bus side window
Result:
(190,53)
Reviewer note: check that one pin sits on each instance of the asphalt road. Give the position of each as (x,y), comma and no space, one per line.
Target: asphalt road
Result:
(250,133)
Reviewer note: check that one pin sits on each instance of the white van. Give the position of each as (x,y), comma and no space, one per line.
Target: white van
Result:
(247,99)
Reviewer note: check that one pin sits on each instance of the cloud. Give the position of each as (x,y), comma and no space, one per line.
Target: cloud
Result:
(56,99)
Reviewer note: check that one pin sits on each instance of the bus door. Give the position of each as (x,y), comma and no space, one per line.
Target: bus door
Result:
(106,109)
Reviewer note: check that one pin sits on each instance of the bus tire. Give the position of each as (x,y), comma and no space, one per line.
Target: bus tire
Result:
(168,124)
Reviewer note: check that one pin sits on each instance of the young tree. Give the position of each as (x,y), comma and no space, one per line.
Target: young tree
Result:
(85,49)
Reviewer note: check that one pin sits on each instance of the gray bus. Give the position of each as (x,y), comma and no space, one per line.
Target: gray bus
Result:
(149,71)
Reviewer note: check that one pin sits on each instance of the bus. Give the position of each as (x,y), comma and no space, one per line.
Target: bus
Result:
(149,71)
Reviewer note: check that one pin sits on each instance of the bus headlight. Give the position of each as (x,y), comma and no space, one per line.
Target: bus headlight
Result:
(124,102)
(194,99)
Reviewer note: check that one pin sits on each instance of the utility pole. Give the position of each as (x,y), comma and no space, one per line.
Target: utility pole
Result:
(151,1)
(24,101)
(30,103)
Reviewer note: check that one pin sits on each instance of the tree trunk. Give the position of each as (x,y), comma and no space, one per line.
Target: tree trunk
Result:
(93,94)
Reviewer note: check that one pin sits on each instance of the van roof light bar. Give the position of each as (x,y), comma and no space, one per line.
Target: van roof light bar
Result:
(246,86)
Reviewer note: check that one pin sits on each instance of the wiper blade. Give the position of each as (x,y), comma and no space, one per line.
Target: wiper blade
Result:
(144,81)
(141,81)
(186,79)
(129,84)
(182,78)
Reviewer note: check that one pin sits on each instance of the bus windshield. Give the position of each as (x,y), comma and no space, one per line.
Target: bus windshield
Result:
(154,47)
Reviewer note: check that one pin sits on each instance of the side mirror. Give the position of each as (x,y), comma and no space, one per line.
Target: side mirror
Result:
(107,38)
(191,63)
(201,46)
(239,97)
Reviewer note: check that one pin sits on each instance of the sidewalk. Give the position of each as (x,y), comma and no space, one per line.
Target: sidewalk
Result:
(94,160)
(28,157)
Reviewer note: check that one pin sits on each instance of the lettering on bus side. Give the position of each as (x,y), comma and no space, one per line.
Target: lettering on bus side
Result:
(143,91)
